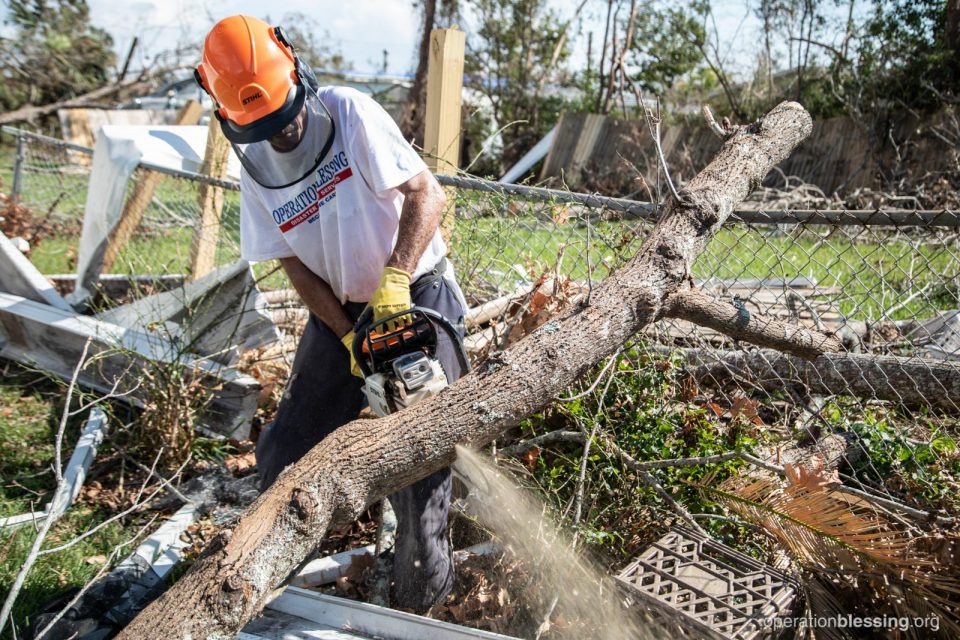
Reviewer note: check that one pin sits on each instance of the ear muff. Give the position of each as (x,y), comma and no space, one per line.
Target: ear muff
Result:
(216,107)
(304,73)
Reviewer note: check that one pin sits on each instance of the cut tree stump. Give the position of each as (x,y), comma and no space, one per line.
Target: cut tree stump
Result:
(366,460)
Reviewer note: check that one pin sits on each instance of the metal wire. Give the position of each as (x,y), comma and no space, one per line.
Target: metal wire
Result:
(886,281)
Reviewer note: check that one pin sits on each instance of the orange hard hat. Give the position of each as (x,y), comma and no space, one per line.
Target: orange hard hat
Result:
(252,73)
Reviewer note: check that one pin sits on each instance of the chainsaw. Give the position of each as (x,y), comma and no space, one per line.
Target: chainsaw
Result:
(400,367)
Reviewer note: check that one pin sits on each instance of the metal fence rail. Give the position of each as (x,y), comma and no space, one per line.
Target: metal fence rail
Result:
(886,281)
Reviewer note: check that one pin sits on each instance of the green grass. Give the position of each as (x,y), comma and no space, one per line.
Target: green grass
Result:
(862,277)
(31,407)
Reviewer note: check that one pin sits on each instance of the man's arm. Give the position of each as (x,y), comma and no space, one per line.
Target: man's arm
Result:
(317,295)
(423,204)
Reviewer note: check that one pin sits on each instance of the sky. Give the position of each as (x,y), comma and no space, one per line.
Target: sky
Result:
(360,29)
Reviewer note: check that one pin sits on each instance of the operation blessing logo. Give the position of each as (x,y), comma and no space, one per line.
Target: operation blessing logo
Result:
(309,201)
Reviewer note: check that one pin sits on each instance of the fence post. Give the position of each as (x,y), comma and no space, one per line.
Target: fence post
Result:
(17,169)
(441,135)
(203,248)
(139,199)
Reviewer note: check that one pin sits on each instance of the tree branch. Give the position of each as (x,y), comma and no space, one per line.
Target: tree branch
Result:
(738,323)
(365,460)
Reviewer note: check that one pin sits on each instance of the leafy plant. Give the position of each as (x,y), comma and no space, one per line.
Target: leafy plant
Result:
(54,53)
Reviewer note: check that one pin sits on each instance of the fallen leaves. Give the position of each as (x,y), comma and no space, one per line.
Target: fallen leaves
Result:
(812,476)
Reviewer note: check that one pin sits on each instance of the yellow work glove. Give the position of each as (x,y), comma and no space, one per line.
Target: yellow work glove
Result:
(392,296)
(347,341)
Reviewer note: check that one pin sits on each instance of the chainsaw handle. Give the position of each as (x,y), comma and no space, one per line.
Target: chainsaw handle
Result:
(365,323)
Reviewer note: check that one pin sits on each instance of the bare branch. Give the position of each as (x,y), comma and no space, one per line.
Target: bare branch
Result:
(737,322)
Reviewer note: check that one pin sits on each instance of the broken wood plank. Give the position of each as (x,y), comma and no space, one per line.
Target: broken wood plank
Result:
(51,339)
(19,277)
(219,313)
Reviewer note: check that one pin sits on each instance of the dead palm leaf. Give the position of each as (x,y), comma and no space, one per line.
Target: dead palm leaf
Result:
(847,544)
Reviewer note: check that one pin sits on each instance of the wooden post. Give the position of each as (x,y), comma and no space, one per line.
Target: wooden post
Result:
(441,134)
(140,198)
(203,249)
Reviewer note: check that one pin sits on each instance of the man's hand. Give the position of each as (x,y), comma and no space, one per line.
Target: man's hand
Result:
(392,296)
(347,341)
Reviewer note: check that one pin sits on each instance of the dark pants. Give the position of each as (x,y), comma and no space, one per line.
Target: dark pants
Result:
(322,395)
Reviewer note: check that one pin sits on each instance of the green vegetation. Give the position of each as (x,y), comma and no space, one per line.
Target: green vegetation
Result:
(641,407)
(31,409)
(644,405)
(54,52)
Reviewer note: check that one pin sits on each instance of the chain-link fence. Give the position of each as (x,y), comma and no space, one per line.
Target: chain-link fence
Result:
(886,282)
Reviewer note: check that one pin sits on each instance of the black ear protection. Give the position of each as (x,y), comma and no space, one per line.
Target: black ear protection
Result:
(304,72)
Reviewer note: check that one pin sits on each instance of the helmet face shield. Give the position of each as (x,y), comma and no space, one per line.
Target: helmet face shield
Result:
(285,147)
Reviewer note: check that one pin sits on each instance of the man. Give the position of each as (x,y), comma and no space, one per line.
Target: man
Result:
(331,189)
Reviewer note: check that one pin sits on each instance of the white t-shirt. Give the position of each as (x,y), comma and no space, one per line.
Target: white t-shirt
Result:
(342,220)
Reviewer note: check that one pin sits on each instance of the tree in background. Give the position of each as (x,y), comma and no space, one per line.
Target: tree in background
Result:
(54,53)
(315,46)
(653,48)
(909,54)
(515,55)
(665,47)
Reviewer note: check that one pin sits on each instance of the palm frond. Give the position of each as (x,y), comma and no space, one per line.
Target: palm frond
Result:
(846,544)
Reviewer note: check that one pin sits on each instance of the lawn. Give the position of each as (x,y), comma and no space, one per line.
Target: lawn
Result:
(863,275)
(31,408)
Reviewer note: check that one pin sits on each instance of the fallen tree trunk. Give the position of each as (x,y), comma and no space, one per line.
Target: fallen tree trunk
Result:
(911,382)
(367,459)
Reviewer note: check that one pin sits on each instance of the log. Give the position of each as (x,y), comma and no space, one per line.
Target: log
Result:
(738,322)
(366,460)
(911,382)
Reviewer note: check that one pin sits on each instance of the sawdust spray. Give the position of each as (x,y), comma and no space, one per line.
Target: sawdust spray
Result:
(583,596)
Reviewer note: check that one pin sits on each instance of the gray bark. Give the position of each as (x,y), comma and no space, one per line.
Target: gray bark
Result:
(739,323)
(368,459)
(911,382)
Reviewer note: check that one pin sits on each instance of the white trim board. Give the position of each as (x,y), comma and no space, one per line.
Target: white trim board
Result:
(19,277)
(370,620)
(76,472)
(52,339)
